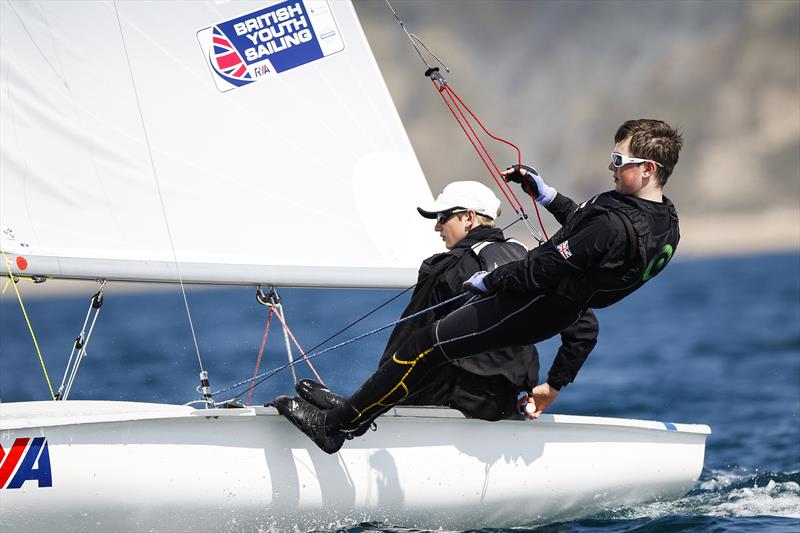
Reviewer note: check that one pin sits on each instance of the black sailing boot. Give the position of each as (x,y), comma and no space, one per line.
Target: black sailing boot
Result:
(320,396)
(310,420)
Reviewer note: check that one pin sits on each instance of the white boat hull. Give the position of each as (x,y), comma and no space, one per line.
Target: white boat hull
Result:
(147,467)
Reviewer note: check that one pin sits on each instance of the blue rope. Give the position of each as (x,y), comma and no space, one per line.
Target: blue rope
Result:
(270,373)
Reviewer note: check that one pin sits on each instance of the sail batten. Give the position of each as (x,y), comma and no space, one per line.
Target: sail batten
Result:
(293,167)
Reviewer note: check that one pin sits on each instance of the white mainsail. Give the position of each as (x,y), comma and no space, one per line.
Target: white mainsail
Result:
(110,110)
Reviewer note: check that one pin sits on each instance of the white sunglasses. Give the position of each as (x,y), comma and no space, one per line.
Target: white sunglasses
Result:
(619,160)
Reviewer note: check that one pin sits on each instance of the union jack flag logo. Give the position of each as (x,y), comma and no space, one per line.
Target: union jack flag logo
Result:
(227,62)
(563,249)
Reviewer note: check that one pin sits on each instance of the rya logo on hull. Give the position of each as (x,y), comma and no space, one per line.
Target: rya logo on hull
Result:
(28,459)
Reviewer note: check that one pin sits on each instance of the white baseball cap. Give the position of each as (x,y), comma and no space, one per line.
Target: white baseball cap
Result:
(466,195)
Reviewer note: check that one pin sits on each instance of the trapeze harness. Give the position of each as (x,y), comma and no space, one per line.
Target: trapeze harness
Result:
(515,318)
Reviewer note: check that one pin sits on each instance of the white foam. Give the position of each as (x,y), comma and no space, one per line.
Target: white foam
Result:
(717,498)
(721,479)
(775,499)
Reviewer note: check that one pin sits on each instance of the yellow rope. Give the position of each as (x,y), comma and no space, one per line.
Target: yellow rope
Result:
(25,314)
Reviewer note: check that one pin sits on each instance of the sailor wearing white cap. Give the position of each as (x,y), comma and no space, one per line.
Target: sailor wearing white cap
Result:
(461,207)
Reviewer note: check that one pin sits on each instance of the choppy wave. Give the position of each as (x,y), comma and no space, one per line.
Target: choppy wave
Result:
(729,494)
(733,494)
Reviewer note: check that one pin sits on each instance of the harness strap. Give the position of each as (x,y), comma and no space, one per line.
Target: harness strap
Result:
(515,241)
(633,237)
(478,248)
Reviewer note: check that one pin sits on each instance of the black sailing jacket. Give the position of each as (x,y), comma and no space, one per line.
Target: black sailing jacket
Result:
(607,248)
(486,385)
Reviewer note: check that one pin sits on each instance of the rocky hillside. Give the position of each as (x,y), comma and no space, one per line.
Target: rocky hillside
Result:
(557,78)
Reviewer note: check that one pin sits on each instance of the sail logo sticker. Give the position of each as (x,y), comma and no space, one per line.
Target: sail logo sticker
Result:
(264,43)
(28,460)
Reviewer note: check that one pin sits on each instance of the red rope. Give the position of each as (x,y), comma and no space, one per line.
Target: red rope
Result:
(500,183)
(480,154)
(264,343)
(260,353)
(291,336)
(500,139)
(487,132)
(496,175)
(509,143)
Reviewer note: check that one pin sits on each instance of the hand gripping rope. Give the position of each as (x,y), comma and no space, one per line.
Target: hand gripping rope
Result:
(457,108)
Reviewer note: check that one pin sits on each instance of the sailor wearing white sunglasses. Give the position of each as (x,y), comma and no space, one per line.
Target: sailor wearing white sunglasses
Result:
(635,175)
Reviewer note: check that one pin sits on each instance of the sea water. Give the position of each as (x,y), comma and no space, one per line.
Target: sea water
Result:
(714,341)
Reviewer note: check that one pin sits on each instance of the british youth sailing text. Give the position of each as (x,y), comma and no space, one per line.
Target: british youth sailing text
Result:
(274,31)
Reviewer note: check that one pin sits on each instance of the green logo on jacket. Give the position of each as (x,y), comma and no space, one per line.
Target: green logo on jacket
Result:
(658,263)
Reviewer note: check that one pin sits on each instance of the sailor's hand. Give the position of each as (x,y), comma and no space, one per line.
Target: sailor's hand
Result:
(535,403)
(475,283)
(531,182)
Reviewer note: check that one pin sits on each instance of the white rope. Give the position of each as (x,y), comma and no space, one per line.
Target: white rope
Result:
(72,353)
(97,299)
(412,37)
(289,355)
(81,355)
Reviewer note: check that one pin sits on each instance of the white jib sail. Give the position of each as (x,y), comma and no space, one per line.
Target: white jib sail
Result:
(228,142)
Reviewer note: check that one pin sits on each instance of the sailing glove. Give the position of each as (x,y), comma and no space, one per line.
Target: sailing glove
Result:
(532,183)
(475,283)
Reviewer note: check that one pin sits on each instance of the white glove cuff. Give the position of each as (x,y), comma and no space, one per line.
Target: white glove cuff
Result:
(546,194)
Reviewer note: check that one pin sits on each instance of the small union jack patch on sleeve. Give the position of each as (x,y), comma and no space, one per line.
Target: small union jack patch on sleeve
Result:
(563,249)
